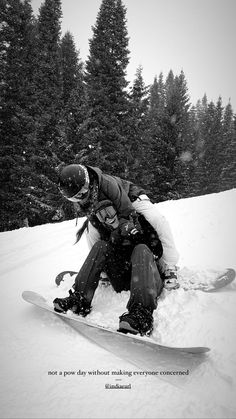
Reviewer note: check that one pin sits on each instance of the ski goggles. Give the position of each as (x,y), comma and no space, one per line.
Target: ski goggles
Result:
(107,214)
(81,195)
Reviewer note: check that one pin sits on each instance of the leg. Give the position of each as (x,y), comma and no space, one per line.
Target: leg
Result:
(118,270)
(167,263)
(88,277)
(146,284)
(86,281)
(158,221)
(145,287)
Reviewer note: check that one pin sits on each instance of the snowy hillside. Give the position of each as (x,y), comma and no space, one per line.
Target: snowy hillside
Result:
(34,342)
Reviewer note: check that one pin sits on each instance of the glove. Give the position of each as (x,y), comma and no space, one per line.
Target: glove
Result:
(128,228)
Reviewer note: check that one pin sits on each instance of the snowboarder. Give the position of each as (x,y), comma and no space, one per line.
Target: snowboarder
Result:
(85,186)
(129,259)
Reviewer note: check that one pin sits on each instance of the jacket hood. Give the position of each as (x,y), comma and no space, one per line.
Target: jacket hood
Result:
(95,170)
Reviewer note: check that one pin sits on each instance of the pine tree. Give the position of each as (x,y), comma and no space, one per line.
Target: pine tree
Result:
(17,59)
(73,98)
(136,129)
(43,197)
(171,133)
(195,152)
(106,89)
(49,72)
(214,132)
(198,123)
(157,99)
(154,137)
(211,135)
(72,67)
(227,179)
(219,144)
(185,140)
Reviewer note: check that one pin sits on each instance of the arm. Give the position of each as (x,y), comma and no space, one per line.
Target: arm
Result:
(92,235)
(113,190)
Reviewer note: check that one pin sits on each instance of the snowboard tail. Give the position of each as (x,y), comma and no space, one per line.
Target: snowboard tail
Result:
(221,281)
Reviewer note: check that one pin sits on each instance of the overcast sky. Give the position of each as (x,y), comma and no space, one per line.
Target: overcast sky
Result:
(196,36)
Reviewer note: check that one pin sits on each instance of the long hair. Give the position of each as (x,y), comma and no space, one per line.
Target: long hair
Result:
(81,230)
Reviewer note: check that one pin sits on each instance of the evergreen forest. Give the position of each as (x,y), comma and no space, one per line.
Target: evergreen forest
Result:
(56,109)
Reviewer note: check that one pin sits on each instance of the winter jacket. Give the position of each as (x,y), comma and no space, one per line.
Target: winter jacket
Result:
(119,191)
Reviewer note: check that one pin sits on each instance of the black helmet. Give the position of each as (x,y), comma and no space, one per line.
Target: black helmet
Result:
(74,182)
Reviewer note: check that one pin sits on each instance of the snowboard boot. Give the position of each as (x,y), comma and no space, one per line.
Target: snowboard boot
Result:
(75,302)
(139,319)
(104,280)
(169,276)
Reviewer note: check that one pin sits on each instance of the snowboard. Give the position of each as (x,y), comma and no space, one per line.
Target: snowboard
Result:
(219,282)
(214,285)
(60,277)
(109,338)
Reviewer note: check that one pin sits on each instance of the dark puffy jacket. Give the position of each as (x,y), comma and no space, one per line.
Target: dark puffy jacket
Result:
(119,191)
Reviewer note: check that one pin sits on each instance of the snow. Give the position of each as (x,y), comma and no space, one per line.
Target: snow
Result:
(35,342)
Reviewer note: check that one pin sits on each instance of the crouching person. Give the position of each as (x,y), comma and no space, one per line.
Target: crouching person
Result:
(85,186)
(128,253)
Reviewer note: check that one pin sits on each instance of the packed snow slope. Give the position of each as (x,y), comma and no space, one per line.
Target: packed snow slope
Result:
(40,352)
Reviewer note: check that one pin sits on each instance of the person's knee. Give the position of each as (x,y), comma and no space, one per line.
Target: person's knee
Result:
(101,246)
(141,248)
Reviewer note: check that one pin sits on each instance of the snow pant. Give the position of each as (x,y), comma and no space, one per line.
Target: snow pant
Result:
(150,211)
(131,269)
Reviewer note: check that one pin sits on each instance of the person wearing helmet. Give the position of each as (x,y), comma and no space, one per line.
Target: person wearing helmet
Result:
(85,186)
(129,259)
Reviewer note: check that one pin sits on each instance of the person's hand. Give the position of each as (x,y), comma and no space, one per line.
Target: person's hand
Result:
(128,229)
